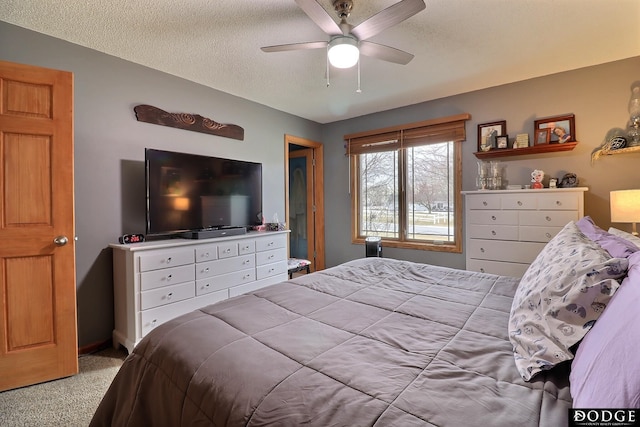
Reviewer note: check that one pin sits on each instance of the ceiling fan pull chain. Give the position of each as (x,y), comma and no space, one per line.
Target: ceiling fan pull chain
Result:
(358,90)
(327,66)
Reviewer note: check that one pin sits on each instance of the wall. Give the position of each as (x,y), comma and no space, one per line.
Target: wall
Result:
(598,96)
(109,151)
(109,148)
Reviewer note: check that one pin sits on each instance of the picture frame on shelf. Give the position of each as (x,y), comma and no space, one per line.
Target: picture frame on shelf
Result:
(561,128)
(502,141)
(488,134)
(542,136)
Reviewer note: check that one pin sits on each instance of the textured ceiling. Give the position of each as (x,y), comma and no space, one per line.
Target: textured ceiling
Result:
(459,45)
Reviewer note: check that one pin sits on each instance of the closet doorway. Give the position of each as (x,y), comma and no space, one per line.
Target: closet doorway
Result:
(304,199)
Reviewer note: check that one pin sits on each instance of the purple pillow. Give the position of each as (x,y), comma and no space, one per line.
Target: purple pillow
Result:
(617,247)
(605,372)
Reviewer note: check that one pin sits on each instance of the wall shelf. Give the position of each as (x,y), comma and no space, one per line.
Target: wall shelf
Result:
(609,152)
(536,149)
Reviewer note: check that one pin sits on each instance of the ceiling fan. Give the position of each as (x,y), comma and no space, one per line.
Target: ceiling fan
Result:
(347,42)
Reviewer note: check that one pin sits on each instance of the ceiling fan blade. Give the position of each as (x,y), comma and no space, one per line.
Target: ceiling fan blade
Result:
(320,16)
(387,18)
(386,53)
(294,46)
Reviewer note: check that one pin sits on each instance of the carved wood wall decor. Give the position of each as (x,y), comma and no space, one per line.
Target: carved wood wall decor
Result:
(186,121)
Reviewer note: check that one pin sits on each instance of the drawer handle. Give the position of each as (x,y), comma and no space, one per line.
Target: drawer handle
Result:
(227,250)
(169,277)
(154,322)
(206,270)
(169,295)
(558,203)
(519,203)
(493,232)
(271,256)
(246,261)
(207,255)
(482,250)
(270,244)
(548,235)
(207,285)
(548,218)
(481,270)
(493,217)
(484,203)
(246,276)
(169,260)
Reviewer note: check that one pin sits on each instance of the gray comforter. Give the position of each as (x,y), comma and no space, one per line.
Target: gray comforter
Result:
(373,342)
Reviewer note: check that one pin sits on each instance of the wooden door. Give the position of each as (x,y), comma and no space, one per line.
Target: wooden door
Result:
(38,332)
(311,154)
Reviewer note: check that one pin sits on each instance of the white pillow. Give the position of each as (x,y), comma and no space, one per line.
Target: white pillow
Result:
(559,298)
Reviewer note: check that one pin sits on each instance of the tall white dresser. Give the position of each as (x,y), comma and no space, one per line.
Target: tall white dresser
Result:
(157,281)
(506,229)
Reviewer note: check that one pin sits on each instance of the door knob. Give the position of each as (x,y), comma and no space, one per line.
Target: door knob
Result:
(61,240)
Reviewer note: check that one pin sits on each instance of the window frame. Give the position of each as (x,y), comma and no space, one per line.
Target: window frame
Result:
(442,130)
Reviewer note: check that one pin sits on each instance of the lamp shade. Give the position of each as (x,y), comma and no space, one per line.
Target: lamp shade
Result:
(625,206)
(343,52)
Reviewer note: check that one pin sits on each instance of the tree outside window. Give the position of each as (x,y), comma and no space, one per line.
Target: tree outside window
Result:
(406,184)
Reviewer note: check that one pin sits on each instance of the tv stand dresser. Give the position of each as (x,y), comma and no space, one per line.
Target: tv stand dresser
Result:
(157,281)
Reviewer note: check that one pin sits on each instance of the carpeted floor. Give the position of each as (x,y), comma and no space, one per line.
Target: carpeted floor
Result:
(66,402)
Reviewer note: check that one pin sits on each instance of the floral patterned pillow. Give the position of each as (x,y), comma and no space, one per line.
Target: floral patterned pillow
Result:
(559,298)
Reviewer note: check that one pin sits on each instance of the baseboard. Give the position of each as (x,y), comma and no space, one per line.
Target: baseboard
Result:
(92,348)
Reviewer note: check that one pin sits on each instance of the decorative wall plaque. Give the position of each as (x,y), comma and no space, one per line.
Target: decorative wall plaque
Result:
(186,121)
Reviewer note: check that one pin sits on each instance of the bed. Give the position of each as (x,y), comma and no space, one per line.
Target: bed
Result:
(371,342)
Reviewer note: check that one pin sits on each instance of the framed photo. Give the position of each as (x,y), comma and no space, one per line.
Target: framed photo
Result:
(542,136)
(488,134)
(502,141)
(561,129)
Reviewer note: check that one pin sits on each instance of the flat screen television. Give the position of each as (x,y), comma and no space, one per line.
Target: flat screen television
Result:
(188,192)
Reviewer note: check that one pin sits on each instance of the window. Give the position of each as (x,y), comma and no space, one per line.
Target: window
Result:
(406,182)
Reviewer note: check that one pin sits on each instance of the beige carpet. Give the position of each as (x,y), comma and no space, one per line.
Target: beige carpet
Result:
(66,402)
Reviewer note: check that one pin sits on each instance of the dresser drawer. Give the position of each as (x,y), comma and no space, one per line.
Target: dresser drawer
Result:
(153,317)
(224,266)
(227,250)
(224,281)
(166,258)
(537,234)
(523,252)
(519,201)
(206,253)
(559,201)
(149,319)
(271,242)
(166,277)
(512,269)
(267,257)
(497,232)
(547,218)
(166,295)
(246,247)
(494,217)
(483,201)
(269,270)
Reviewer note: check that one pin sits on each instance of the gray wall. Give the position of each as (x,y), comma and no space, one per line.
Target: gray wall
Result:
(109,148)
(109,151)
(598,96)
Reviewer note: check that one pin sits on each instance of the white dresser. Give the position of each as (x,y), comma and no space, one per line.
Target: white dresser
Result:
(157,281)
(506,229)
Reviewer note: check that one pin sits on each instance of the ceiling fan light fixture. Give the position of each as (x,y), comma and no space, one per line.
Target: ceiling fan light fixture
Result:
(343,52)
